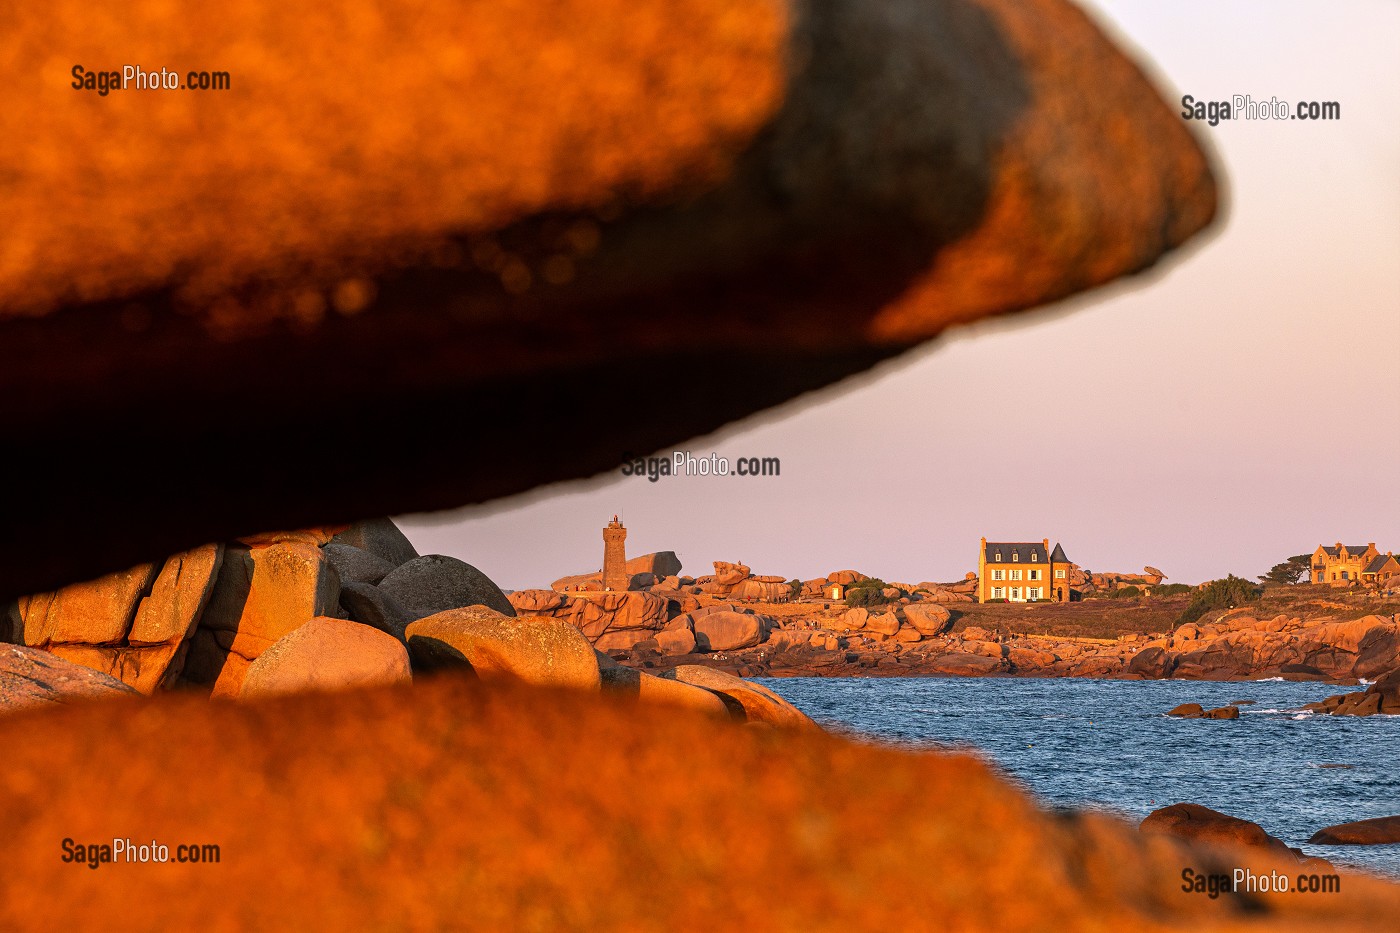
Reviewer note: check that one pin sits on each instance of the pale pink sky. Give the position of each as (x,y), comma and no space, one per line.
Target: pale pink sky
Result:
(1240,407)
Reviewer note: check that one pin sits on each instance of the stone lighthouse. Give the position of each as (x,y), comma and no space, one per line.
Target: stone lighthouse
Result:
(615,576)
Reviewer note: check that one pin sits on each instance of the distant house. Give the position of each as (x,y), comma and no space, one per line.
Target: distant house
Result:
(1343,562)
(835,591)
(1022,572)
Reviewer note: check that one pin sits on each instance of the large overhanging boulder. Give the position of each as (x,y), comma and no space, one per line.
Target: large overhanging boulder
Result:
(371,276)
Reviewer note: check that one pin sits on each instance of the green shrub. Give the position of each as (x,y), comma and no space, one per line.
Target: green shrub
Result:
(1126,592)
(867,593)
(1171,589)
(1219,594)
(794,588)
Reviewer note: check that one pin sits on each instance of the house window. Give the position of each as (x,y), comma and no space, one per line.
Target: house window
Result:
(1015,574)
(1060,574)
(998,574)
(997,558)
(1035,556)
(1015,592)
(1345,575)
(998,592)
(1033,593)
(1033,575)
(1016,555)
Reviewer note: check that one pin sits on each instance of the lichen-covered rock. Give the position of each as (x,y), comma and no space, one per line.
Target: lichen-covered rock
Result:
(534,649)
(260,595)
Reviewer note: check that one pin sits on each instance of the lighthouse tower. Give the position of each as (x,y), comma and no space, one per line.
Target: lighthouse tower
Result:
(615,576)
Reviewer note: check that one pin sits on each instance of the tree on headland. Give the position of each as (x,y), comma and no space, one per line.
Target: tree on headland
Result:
(1288,572)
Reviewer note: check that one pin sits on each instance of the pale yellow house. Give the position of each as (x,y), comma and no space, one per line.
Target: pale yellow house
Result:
(1021,572)
(1342,563)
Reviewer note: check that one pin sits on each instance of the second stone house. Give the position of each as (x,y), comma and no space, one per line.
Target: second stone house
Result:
(1023,571)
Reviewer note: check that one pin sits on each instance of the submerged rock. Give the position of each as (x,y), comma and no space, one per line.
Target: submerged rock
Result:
(1194,822)
(1383,830)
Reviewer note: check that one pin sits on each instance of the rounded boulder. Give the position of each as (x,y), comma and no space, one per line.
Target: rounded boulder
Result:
(437,583)
(729,631)
(327,655)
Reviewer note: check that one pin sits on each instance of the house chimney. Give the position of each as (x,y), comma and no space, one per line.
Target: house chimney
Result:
(1370,544)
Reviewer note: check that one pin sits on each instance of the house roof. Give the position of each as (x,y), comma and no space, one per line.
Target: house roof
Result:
(1352,549)
(1057,556)
(1378,563)
(1026,552)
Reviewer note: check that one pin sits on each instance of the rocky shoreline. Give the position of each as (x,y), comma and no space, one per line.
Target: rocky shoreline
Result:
(911,641)
(205,619)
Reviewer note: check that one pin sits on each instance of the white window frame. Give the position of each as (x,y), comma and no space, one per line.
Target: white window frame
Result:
(1016,556)
(998,574)
(1015,574)
(1060,574)
(1034,575)
(1035,557)
(998,592)
(1015,593)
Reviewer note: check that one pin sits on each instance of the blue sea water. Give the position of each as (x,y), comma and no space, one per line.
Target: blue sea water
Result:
(1109,745)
